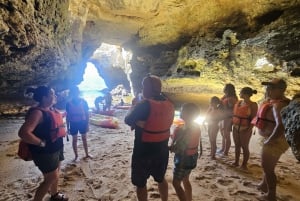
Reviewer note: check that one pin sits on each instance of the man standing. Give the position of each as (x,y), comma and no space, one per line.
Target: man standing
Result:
(151,119)
(270,126)
(107,101)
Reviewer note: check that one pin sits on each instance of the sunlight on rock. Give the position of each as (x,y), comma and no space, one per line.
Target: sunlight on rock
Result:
(262,63)
(92,84)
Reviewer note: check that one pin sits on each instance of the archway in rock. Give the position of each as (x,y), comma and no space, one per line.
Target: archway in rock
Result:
(92,84)
(113,64)
(107,69)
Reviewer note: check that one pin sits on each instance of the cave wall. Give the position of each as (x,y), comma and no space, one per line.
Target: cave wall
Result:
(199,44)
(244,57)
(34,37)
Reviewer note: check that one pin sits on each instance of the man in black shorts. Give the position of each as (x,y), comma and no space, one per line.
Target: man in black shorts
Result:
(151,119)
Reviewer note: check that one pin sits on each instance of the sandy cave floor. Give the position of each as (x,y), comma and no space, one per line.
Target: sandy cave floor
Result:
(107,175)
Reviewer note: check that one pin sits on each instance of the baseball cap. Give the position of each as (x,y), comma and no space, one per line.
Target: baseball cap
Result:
(276,82)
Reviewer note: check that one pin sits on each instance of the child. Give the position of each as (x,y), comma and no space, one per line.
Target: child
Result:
(185,142)
(78,120)
(213,116)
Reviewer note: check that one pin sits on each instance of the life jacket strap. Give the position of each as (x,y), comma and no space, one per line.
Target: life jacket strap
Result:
(146,137)
(263,119)
(157,132)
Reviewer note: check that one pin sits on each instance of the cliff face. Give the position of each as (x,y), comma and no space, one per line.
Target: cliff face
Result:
(195,45)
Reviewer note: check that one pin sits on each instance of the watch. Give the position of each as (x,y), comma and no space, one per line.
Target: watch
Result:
(42,144)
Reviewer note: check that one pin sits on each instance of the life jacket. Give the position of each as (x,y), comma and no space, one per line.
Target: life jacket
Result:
(214,115)
(57,128)
(76,112)
(193,139)
(260,119)
(241,114)
(157,126)
(225,102)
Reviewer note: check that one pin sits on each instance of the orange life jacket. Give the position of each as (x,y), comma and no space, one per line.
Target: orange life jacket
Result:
(193,139)
(260,119)
(241,114)
(57,129)
(157,126)
(76,112)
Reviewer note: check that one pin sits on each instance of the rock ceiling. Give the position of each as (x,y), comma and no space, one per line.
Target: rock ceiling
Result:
(195,45)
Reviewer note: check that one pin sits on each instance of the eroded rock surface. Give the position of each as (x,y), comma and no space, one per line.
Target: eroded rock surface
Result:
(194,45)
(291,121)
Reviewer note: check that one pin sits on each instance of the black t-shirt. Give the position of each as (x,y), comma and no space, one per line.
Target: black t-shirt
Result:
(140,112)
(42,131)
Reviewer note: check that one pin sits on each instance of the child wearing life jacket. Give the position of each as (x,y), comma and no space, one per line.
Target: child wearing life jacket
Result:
(78,120)
(243,112)
(185,143)
(212,118)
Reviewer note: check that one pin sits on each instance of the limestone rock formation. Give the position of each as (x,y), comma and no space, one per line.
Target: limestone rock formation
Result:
(194,45)
(291,121)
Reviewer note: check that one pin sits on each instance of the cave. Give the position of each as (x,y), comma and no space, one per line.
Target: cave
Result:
(194,46)
(57,39)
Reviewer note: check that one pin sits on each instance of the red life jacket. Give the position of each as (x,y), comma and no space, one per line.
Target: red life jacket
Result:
(57,129)
(260,119)
(76,112)
(193,139)
(226,100)
(241,114)
(157,126)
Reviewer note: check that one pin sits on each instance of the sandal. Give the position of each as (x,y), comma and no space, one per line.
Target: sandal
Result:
(58,197)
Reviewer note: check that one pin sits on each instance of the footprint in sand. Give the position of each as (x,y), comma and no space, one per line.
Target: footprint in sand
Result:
(213,186)
(95,183)
(106,198)
(202,177)
(285,198)
(208,168)
(242,192)
(71,172)
(249,184)
(113,191)
(219,199)
(11,155)
(154,195)
(224,182)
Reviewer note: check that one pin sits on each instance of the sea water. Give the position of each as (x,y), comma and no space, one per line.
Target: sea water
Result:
(90,96)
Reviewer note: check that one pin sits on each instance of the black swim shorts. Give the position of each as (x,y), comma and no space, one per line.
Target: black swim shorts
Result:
(143,168)
(48,162)
(81,127)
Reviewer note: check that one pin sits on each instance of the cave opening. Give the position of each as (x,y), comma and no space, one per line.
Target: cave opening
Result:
(98,76)
(92,85)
